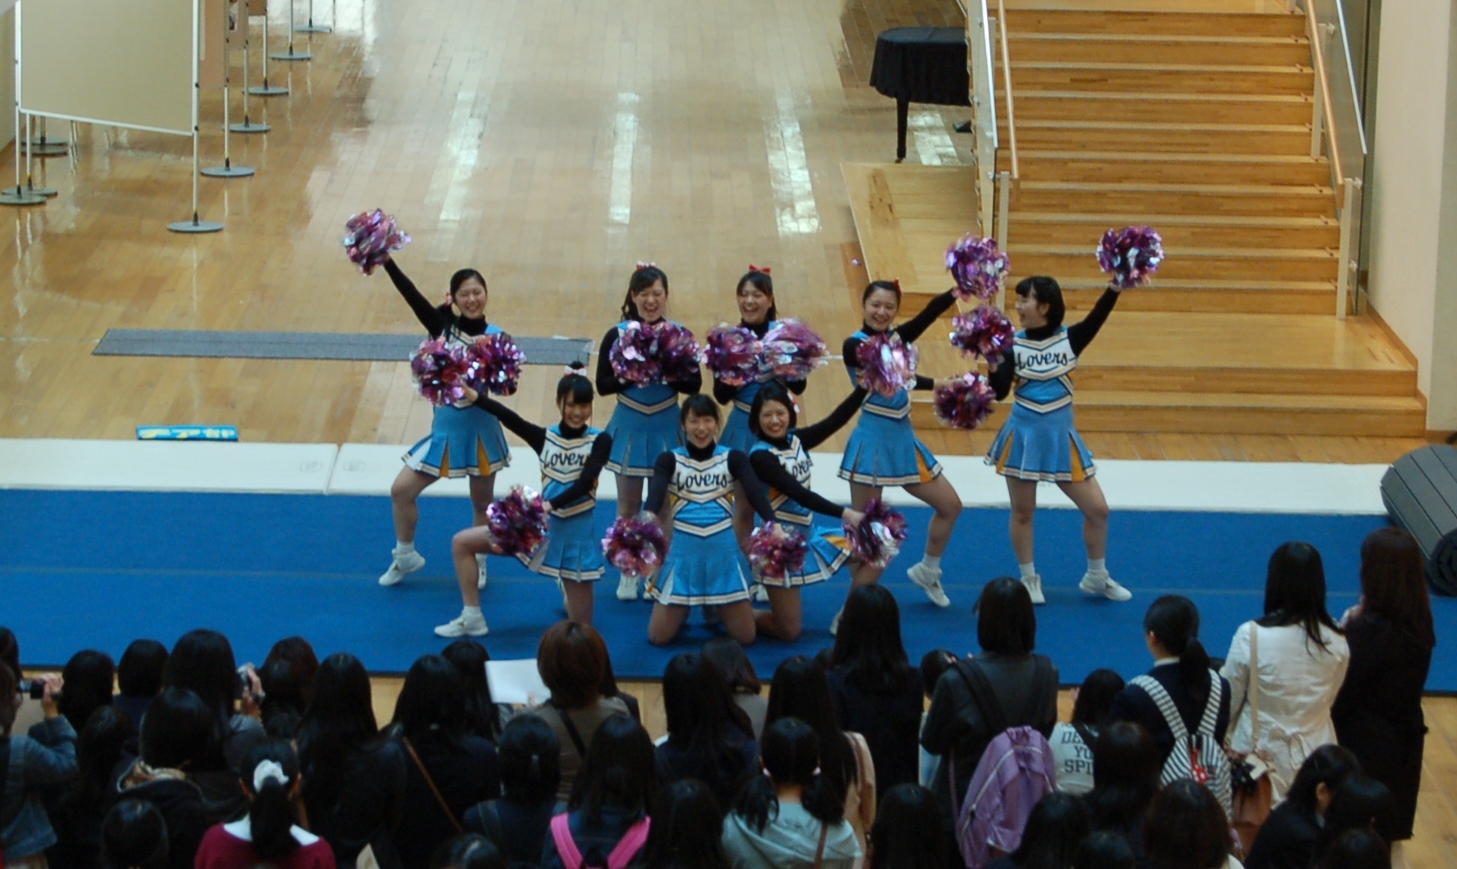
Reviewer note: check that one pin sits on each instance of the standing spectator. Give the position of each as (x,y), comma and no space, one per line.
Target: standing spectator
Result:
(1072,743)
(46,757)
(571,659)
(517,823)
(610,800)
(30,712)
(139,677)
(269,833)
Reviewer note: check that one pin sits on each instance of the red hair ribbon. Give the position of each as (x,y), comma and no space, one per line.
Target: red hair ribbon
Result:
(761,269)
(642,265)
(897,282)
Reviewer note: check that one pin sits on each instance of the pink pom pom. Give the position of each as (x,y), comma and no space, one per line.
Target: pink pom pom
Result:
(978,267)
(517,522)
(878,537)
(369,237)
(792,350)
(634,357)
(732,354)
(497,361)
(966,402)
(887,364)
(635,545)
(441,372)
(678,351)
(776,550)
(1130,255)
(985,332)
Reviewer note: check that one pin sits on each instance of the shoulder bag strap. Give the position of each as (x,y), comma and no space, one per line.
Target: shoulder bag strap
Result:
(1210,720)
(820,851)
(1253,687)
(566,718)
(566,846)
(1156,692)
(444,806)
(629,845)
(983,693)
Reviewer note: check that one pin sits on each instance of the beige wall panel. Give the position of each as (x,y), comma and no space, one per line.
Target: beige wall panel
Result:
(212,23)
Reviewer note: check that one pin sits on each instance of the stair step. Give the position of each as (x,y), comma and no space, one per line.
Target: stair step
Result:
(1160,48)
(1190,199)
(1162,168)
(1185,264)
(1159,24)
(1160,77)
(1177,137)
(1209,296)
(1178,231)
(1158,107)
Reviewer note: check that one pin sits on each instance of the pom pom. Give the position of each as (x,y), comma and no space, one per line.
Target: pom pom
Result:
(441,372)
(792,350)
(678,351)
(887,364)
(978,267)
(661,352)
(1130,255)
(732,355)
(776,550)
(879,536)
(369,236)
(965,402)
(497,361)
(985,332)
(517,522)
(635,545)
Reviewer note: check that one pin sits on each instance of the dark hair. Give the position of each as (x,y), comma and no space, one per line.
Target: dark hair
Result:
(271,813)
(134,836)
(1186,828)
(1394,583)
(1361,802)
(687,829)
(481,715)
(8,707)
(299,653)
(575,387)
(737,669)
(1356,849)
(178,730)
(1005,622)
(463,275)
(1174,621)
(283,691)
(909,832)
(431,705)
(1329,765)
(933,665)
(10,650)
(620,768)
(99,749)
(1057,825)
(530,758)
(700,711)
(468,851)
(1295,592)
(699,404)
(88,679)
(1126,769)
(1104,850)
(642,278)
(339,719)
(771,391)
(202,661)
(801,690)
(790,753)
(141,668)
(761,281)
(889,286)
(1047,292)
(1095,696)
(570,659)
(868,644)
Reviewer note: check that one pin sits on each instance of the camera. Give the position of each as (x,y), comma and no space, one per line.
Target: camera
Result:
(33,687)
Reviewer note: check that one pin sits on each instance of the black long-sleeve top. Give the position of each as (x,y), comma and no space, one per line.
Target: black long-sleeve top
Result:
(739,468)
(1079,335)
(909,331)
(608,383)
(772,472)
(435,319)
(535,437)
(723,393)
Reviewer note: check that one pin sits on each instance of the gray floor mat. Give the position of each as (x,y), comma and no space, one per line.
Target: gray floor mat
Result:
(309,345)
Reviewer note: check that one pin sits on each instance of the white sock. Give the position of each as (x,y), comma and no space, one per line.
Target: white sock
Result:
(932,561)
(1029,569)
(481,559)
(471,612)
(403,548)
(1097,565)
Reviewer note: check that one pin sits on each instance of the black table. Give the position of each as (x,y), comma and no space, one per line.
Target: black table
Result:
(920,65)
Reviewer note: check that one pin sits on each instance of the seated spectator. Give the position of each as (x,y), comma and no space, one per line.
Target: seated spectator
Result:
(1361,803)
(202,662)
(933,664)
(1104,851)
(29,713)
(1356,849)
(178,730)
(708,736)
(77,818)
(610,689)
(572,661)
(284,698)
(608,809)
(517,822)
(687,829)
(1057,826)
(1301,657)
(1126,771)
(468,851)
(483,716)
(301,659)
(1288,838)
(269,833)
(743,681)
(139,677)
(1187,828)
(1072,743)
(134,836)
(47,756)
(88,678)
(908,833)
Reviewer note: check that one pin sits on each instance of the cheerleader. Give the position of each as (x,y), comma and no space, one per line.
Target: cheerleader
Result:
(1038,441)
(780,459)
(645,422)
(572,457)
(704,564)
(464,441)
(884,450)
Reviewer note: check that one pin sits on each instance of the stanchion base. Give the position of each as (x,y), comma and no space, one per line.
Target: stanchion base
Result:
(20,196)
(314,28)
(47,143)
(38,190)
(49,149)
(249,127)
(195,226)
(227,171)
(292,55)
(271,90)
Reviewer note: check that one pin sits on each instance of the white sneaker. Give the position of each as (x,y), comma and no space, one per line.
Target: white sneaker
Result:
(929,579)
(464,625)
(402,564)
(480,571)
(835,622)
(627,588)
(760,594)
(1103,584)
(1034,588)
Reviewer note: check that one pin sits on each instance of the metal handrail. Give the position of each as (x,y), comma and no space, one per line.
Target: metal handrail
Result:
(1007,86)
(1322,83)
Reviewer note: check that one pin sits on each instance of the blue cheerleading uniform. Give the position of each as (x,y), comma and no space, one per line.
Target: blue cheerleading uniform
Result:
(1039,441)
(463,441)
(704,564)
(645,422)
(735,433)
(883,448)
(571,462)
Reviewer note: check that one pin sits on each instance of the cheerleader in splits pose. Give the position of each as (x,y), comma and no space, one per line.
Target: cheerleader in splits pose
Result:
(704,564)
(1038,441)
(645,421)
(572,457)
(780,460)
(884,450)
(464,441)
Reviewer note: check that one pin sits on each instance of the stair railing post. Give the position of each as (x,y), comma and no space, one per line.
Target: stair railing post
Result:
(1004,206)
(1348,264)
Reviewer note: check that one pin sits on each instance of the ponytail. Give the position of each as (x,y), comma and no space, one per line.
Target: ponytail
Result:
(1194,669)
(1174,621)
(270,772)
(790,752)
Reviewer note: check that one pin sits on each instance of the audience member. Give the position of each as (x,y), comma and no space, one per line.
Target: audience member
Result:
(301,658)
(709,738)
(139,676)
(78,815)
(468,851)
(687,829)
(1057,826)
(1187,828)
(572,660)
(29,712)
(1361,803)
(743,681)
(134,836)
(1287,839)
(47,756)
(269,833)
(1356,849)
(1072,743)
(1126,771)
(179,730)
(202,662)
(517,821)
(88,677)
(1102,850)
(908,831)
(483,716)
(933,664)
(611,797)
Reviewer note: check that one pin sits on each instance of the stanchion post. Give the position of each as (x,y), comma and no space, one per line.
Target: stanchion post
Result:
(266,90)
(247,126)
(291,54)
(18,195)
(196,224)
(227,170)
(311,27)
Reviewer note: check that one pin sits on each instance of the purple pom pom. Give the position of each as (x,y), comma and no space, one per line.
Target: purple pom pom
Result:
(517,522)
(497,360)
(635,545)
(777,550)
(879,536)
(661,352)
(1130,255)
(441,372)
(966,402)
(370,236)
(985,332)
(732,355)
(887,364)
(978,267)
(678,351)
(792,350)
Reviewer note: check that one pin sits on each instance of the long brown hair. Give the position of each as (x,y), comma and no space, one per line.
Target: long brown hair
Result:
(1394,582)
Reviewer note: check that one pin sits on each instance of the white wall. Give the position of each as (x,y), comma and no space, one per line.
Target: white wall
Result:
(7,73)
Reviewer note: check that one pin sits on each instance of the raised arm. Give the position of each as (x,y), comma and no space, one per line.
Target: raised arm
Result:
(533,434)
(743,472)
(814,435)
(912,328)
(607,380)
(1001,376)
(428,315)
(1080,335)
(596,460)
(663,470)
(773,474)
